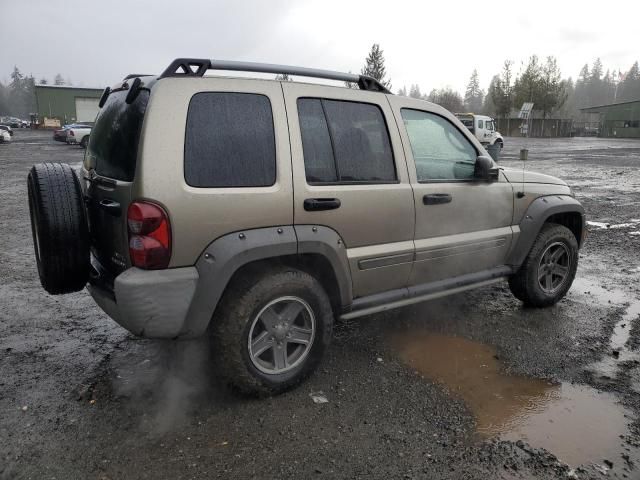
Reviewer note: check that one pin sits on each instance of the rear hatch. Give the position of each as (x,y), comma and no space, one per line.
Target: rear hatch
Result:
(110,167)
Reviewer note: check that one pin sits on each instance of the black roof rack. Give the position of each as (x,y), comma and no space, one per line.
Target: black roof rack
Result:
(134,75)
(197,67)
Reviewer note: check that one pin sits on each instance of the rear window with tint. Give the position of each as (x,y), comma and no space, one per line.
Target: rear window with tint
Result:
(229,141)
(113,144)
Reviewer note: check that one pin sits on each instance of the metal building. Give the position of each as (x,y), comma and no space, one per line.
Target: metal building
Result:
(67,104)
(620,120)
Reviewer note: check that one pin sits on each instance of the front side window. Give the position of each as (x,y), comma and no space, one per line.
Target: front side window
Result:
(229,141)
(480,124)
(440,150)
(345,142)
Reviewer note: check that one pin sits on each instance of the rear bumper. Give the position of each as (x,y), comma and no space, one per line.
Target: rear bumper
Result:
(149,303)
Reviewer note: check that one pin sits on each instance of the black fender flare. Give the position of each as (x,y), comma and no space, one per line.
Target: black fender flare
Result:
(534,218)
(223,257)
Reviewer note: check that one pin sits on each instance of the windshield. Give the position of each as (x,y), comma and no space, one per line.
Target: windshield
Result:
(113,145)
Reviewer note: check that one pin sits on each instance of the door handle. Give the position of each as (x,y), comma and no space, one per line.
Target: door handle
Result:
(436,198)
(111,206)
(317,204)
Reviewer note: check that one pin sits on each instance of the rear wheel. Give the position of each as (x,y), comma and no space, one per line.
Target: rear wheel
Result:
(85,141)
(59,227)
(548,271)
(269,333)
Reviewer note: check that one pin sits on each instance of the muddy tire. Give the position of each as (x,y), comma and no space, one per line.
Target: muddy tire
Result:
(260,327)
(548,271)
(85,141)
(59,227)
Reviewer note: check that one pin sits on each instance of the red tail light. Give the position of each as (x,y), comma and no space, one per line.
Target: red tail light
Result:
(149,235)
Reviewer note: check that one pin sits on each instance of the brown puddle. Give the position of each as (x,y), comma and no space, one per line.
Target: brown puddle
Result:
(578,424)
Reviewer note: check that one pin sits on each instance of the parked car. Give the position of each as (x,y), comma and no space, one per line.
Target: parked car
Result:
(78,135)
(4,136)
(483,127)
(257,211)
(7,129)
(60,134)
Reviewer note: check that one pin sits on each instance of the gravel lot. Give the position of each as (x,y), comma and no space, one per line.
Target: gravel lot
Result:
(473,386)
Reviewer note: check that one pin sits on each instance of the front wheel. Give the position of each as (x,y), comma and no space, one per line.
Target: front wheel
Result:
(270,332)
(548,271)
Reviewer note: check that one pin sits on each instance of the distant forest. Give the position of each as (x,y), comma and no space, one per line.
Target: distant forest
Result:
(538,81)
(18,97)
(541,83)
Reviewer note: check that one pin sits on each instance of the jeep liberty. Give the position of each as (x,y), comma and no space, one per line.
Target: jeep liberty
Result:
(257,211)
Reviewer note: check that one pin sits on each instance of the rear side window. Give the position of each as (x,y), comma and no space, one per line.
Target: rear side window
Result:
(345,142)
(229,141)
(113,142)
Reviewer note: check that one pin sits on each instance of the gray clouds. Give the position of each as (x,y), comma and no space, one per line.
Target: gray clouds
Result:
(432,44)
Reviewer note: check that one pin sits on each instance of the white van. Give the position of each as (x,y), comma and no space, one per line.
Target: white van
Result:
(483,127)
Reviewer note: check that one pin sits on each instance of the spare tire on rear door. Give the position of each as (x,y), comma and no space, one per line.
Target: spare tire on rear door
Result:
(59,227)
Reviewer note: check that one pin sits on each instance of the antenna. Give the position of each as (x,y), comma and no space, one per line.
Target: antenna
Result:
(525,113)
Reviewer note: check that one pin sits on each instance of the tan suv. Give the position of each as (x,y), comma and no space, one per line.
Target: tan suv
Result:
(258,211)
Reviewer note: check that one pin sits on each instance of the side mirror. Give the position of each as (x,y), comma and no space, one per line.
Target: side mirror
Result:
(485,170)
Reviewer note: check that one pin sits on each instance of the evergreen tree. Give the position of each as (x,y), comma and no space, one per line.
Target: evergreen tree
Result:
(402,91)
(4,101)
(569,109)
(581,94)
(527,87)
(58,80)
(446,98)
(552,90)
(489,106)
(16,81)
(44,81)
(609,85)
(414,92)
(18,98)
(473,95)
(629,87)
(283,77)
(595,87)
(502,91)
(374,66)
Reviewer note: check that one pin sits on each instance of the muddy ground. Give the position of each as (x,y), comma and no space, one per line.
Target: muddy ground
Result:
(473,386)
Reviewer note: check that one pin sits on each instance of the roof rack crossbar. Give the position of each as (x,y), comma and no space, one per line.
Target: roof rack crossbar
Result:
(197,67)
(134,75)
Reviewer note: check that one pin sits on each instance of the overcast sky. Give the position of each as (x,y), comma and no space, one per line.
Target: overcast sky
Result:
(433,44)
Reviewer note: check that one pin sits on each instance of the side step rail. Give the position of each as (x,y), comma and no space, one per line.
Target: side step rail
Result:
(402,297)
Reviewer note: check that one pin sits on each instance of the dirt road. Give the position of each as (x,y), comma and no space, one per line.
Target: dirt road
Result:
(473,386)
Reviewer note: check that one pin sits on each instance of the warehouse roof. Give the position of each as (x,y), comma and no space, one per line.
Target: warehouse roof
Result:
(596,108)
(70,87)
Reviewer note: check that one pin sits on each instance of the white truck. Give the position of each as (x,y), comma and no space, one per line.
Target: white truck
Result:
(483,127)
(78,135)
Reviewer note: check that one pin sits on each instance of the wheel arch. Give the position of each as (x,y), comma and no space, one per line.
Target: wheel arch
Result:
(573,220)
(562,209)
(316,250)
